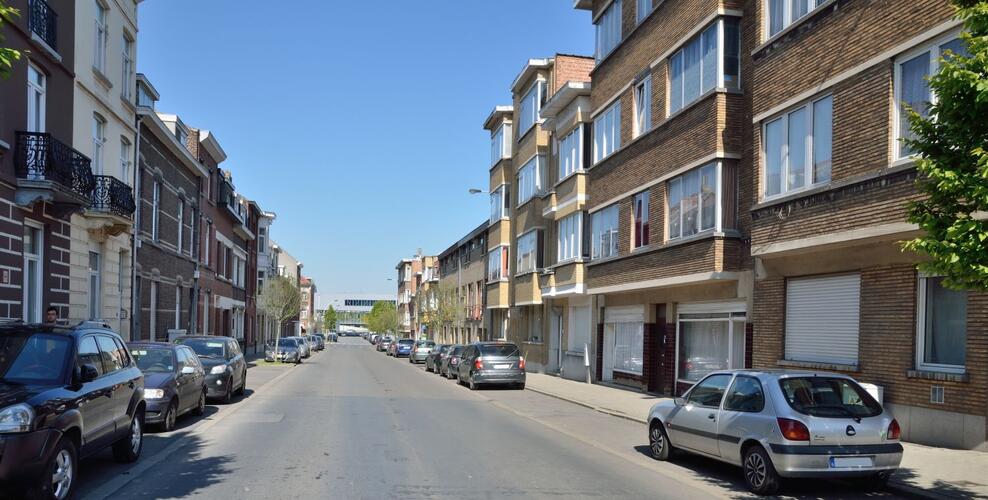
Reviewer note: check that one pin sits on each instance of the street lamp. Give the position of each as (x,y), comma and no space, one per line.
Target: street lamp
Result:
(476,191)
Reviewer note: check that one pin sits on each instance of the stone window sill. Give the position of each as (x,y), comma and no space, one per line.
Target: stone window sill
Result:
(813,365)
(938,376)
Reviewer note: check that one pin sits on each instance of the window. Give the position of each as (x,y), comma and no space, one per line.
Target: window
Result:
(693,202)
(571,152)
(180,219)
(531,104)
(181,134)
(99,139)
(709,392)
(942,326)
(110,354)
(497,264)
(607,132)
(499,203)
(639,209)
(262,233)
(578,336)
(500,148)
(642,9)
(36,97)
(155,206)
(95,288)
(528,247)
(125,160)
(745,395)
(153,316)
(127,69)
(88,354)
(643,107)
(708,341)
(608,30)
(693,70)
(260,281)
(782,13)
(530,179)
(912,89)
(628,345)
(604,232)
(569,237)
(99,43)
(822,319)
(32,272)
(798,148)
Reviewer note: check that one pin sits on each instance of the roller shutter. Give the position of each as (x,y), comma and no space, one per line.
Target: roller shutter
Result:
(822,315)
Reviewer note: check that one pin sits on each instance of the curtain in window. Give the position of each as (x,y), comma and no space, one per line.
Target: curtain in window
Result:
(709,56)
(628,346)
(946,324)
(914,94)
(774,154)
(797,149)
(704,347)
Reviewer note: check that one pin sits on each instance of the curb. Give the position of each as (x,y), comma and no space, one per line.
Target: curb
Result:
(587,405)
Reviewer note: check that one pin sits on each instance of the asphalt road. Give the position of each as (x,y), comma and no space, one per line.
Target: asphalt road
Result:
(353,423)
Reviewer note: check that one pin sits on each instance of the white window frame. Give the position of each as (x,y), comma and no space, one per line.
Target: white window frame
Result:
(718,29)
(718,202)
(500,203)
(921,283)
(714,317)
(127,67)
(569,238)
(636,237)
(570,149)
(502,270)
(99,140)
(536,93)
(612,232)
(530,179)
(501,143)
(642,9)
(787,19)
(95,285)
(607,132)
(608,32)
(809,147)
(933,47)
(642,107)
(101,30)
(125,160)
(527,246)
(155,209)
(613,337)
(35,301)
(35,90)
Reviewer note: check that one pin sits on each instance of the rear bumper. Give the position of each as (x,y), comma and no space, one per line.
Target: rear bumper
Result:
(399,354)
(815,460)
(498,377)
(23,456)
(419,357)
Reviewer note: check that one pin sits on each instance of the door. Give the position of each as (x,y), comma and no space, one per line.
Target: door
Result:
(95,398)
(185,382)
(237,362)
(36,97)
(122,387)
(695,424)
(555,340)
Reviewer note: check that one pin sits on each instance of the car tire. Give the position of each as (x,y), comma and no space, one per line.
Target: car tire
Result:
(243,384)
(171,415)
(64,462)
(200,408)
(759,473)
(471,384)
(658,442)
(128,448)
(228,397)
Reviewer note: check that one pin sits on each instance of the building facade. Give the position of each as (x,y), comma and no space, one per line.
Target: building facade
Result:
(351,308)
(426,298)
(407,270)
(462,269)
(287,266)
(266,266)
(307,315)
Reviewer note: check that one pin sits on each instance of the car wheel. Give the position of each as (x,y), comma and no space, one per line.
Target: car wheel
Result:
(128,448)
(472,384)
(171,414)
(200,408)
(658,442)
(243,384)
(427,367)
(228,397)
(759,474)
(58,480)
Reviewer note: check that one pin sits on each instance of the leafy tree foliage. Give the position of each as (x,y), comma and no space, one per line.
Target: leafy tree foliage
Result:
(7,56)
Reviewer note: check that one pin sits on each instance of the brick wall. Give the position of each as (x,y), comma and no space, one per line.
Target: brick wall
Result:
(569,68)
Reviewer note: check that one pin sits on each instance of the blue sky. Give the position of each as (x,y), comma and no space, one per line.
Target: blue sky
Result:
(359,123)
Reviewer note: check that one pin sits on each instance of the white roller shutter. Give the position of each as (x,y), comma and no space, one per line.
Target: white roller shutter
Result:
(624,314)
(822,319)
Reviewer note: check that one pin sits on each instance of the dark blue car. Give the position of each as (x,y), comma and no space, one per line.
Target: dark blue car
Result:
(404,348)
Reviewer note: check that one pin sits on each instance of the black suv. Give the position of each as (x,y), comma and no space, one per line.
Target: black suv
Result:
(65,393)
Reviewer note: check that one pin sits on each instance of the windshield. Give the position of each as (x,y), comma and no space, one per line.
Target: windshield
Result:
(829,397)
(154,359)
(36,359)
(426,343)
(287,343)
(207,348)
(499,350)
(406,342)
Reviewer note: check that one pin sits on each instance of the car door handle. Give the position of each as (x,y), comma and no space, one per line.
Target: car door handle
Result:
(712,416)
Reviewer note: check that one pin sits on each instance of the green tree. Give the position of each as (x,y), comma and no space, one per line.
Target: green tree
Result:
(439,306)
(950,141)
(329,319)
(7,56)
(282,300)
(383,317)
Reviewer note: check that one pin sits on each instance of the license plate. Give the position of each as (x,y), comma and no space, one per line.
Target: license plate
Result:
(844,462)
(501,367)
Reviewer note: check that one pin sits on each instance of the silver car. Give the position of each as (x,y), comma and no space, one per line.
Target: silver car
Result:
(781,424)
(420,351)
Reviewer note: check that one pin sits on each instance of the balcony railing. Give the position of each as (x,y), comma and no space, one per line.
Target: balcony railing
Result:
(113,196)
(40,157)
(44,22)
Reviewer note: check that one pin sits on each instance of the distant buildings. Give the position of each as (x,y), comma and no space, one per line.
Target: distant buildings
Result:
(351,308)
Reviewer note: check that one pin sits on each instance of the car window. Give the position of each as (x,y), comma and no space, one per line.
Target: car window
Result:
(122,349)
(109,354)
(709,391)
(207,348)
(183,359)
(192,359)
(233,349)
(745,395)
(154,359)
(832,397)
(499,350)
(38,358)
(89,354)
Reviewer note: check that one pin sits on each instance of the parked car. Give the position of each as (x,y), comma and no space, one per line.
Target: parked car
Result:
(373,339)
(403,348)
(303,346)
(452,359)
(420,351)
(174,382)
(384,343)
(314,343)
(65,394)
(226,368)
(287,351)
(320,341)
(778,424)
(491,363)
(434,357)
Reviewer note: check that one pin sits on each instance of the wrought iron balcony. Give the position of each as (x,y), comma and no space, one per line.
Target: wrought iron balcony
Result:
(113,196)
(44,22)
(43,163)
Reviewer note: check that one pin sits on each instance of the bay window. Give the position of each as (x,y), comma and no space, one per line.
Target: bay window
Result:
(530,182)
(798,148)
(531,105)
(941,326)
(528,248)
(500,148)
(497,264)
(607,132)
(912,88)
(569,237)
(643,106)
(499,203)
(639,208)
(604,233)
(782,13)
(709,60)
(608,27)
(694,197)
(571,152)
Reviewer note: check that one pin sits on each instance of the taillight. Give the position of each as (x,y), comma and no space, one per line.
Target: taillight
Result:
(894,430)
(479,364)
(793,430)
(521,363)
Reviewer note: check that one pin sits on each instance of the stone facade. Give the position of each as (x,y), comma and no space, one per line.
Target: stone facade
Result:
(461,268)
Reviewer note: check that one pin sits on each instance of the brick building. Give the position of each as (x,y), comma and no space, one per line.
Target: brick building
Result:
(407,271)
(462,268)
(307,315)
(266,264)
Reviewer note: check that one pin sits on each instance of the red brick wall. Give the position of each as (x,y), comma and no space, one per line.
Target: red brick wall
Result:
(568,68)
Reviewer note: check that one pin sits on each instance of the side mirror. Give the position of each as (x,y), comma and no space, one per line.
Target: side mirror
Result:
(88,373)
(680,401)
(188,370)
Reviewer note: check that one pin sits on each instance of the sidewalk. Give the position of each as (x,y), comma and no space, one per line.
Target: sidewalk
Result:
(925,471)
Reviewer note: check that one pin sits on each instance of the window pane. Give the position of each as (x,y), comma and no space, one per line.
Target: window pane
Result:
(773,157)
(710,391)
(914,93)
(799,8)
(745,395)
(775,16)
(708,197)
(732,53)
(675,200)
(797,149)
(691,71)
(676,82)
(955,46)
(822,138)
(704,348)
(946,324)
(89,354)
(691,203)
(628,346)
(709,44)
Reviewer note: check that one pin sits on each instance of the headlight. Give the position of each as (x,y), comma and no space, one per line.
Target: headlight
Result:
(154,393)
(217,370)
(16,418)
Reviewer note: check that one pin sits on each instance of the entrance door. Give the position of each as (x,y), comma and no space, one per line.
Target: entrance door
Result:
(555,340)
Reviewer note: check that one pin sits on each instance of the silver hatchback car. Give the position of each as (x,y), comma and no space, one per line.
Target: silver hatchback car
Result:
(781,424)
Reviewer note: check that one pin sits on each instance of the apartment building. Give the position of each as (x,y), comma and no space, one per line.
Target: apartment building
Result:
(668,266)
(407,270)
(42,178)
(499,124)
(307,315)
(288,266)
(105,130)
(833,290)
(168,181)
(426,297)
(267,266)
(462,269)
